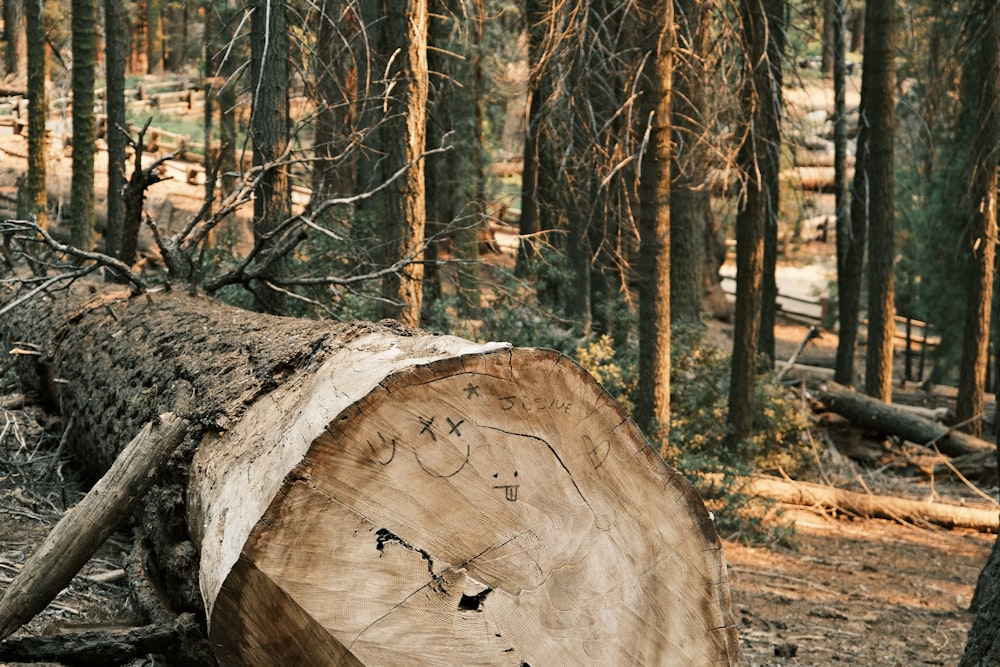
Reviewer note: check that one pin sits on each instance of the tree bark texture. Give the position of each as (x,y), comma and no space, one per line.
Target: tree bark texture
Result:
(653,399)
(404,136)
(16,53)
(850,240)
(878,94)
(767,139)
(689,202)
(369,494)
(116,55)
(751,221)
(269,130)
(981,236)
(38,111)
(84,43)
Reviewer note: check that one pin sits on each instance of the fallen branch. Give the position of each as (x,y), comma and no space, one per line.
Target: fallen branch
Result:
(871,413)
(180,642)
(85,527)
(982,519)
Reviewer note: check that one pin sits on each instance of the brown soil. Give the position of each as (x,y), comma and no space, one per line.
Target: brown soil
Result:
(840,590)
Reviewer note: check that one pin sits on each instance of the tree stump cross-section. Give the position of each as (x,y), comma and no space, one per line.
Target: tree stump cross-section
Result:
(488,509)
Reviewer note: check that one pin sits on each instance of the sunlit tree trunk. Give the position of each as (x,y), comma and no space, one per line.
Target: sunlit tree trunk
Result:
(652,410)
(983,645)
(36,196)
(16,53)
(138,62)
(84,41)
(404,136)
(981,237)
(269,82)
(878,107)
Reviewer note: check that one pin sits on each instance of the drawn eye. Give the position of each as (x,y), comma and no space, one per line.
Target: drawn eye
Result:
(495,475)
(515,473)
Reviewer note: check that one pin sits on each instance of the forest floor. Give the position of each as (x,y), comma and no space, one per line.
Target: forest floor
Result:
(837,590)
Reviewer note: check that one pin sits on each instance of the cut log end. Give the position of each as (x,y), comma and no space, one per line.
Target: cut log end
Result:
(493,509)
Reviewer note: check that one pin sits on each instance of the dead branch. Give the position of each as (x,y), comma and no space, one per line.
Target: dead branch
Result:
(983,519)
(84,528)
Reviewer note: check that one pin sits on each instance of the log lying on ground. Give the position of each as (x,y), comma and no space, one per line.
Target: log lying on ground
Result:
(84,528)
(982,519)
(367,494)
(871,413)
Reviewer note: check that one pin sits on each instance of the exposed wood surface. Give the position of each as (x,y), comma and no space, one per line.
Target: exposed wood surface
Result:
(489,509)
(371,494)
(869,412)
(84,528)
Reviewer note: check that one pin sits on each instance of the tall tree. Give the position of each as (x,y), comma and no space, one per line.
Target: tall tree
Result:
(36,196)
(690,201)
(16,53)
(767,133)
(878,104)
(116,56)
(756,158)
(269,83)
(652,410)
(536,177)
(851,225)
(404,135)
(84,42)
(982,647)
(983,92)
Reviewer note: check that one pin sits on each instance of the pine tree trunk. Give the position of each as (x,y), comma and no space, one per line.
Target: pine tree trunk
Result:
(404,134)
(16,53)
(368,494)
(269,83)
(653,401)
(878,104)
(84,122)
(116,55)
(981,236)
(38,111)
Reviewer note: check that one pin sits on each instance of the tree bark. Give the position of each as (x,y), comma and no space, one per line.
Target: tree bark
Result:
(878,103)
(368,494)
(981,235)
(84,122)
(116,55)
(653,396)
(38,112)
(689,200)
(16,53)
(404,134)
(270,80)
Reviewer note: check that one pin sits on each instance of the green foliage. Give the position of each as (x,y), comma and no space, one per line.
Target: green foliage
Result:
(699,448)
(617,373)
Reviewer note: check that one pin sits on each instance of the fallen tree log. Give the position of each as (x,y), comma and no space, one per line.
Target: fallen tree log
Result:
(83,529)
(982,519)
(365,494)
(871,413)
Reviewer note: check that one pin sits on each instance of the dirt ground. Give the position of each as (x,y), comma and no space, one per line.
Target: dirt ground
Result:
(840,590)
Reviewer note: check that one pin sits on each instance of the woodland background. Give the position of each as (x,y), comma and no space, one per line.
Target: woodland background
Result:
(558,175)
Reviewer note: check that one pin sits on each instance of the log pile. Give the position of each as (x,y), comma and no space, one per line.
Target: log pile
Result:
(365,494)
